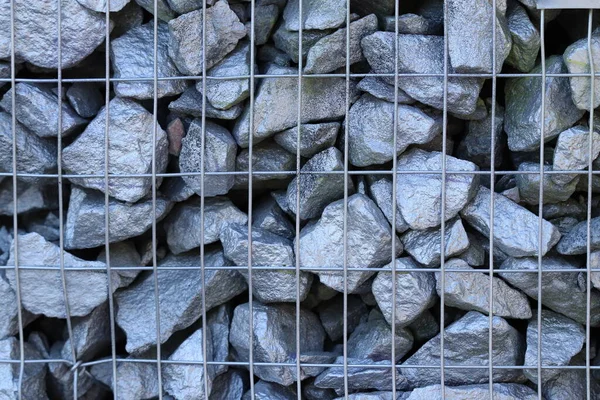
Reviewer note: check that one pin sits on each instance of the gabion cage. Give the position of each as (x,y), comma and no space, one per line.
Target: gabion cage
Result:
(263,199)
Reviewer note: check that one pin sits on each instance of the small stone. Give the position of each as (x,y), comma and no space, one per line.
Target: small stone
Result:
(131,16)
(424,327)
(562,338)
(523,107)
(230,385)
(269,54)
(100,5)
(379,88)
(331,314)
(317,188)
(84,228)
(314,138)
(163,12)
(133,148)
(61,382)
(415,292)
(266,156)
(322,242)
(224,30)
(175,133)
(421,54)
(553,192)
(360,378)
(518,225)
(5,69)
(329,53)
(186,6)
(122,254)
(135,380)
(311,392)
(572,152)
(575,242)
(30,197)
(129,58)
(425,246)
(501,391)
(218,321)
(219,156)
(269,216)
(190,103)
(418,196)
(571,383)
(380,191)
(466,343)
(9,315)
(175,189)
(564,224)
(373,340)
(471,291)
(475,255)
(183,223)
(595,264)
(288,41)
(274,338)
(265,18)
(371,130)
(317,14)
(379,395)
(268,250)
(554,286)
(411,24)
(525,39)
(578,62)
(264,390)
(91,334)
(33,385)
(42,290)
(85,99)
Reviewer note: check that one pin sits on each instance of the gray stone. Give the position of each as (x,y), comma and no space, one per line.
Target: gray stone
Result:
(30,197)
(317,14)
(179,296)
(217,323)
(571,383)
(562,338)
(84,227)
(425,246)
(576,57)
(183,223)
(554,286)
(266,156)
(375,376)
(269,216)
(556,187)
(175,132)
(133,148)
(311,392)
(265,18)
(274,338)
(575,242)
(226,93)
(373,340)
(100,5)
(264,390)
(230,385)
(411,24)
(424,327)
(85,98)
(466,343)
(276,109)
(501,391)
(314,138)
(219,156)
(572,152)
(5,69)
(190,103)
(91,334)
(163,12)
(415,292)
(61,382)
(131,16)
(186,6)
(34,374)
(471,291)
(9,316)
(317,187)
(475,255)
(224,30)
(380,191)
(329,53)
(525,39)
(418,196)
(523,107)
(42,290)
(371,130)
(470,36)
(122,254)
(595,264)
(564,224)
(519,226)
(268,250)
(421,54)
(36,109)
(379,88)
(379,395)
(288,41)
(322,242)
(315,357)
(129,58)
(269,54)
(331,313)
(135,380)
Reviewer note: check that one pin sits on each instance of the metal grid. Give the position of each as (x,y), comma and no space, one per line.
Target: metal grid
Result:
(76,364)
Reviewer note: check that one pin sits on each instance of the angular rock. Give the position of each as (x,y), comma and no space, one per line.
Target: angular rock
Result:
(190,103)
(85,99)
(30,197)
(475,255)
(371,130)
(42,290)
(314,138)
(100,5)
(421,54)
(230,385)
(33,385)
(380,191)
(288,41)
(577,59)
(501,391)
(418,196)
(9,314)
(564,224)
(317,14)
(61,382)
(331,314)
(268,250)
(129,58)
(131,16)
(595,264)
(183,223)
(466,343)
(519,226)
(322,242)
(135,380)
(219,156)
(411,24)
(415,292)
(265,18)
(562,338)
(554,286)
(471,291)
(424,327)
(218,321)
(224,30)
(378,395)
(264,390)
(163,10)
(175,132)
(373,340)
(375,376)
(84,227)
(122,254)
(556,187)
(269,216)
(274,338)
(132,149)
(525,39)
(266,156)
(311,392)
(523,107)
(572,152)
(575,242)
(379,88)
(425,246)
(270,54)
(91,334)
(571,383)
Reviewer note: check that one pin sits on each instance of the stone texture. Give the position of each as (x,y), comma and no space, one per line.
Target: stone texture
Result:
(100,5)
(122,254)
(266,156)
(269,216)
(572,152)
(30,198)
(34,374)
(85,98)
(331,314)
(322,242)
(380,190)
(190,103)
(360,378)
(230,385)
(264,390)
(373,340)
(9,317)
(175,133)
(577,59)
(501,391)
(46,224)
(317,14)
(424,327)
(314,138)
(132,146)
(575,242)
(525,39)
(91,334)
(411,24)
(265,18)
(555,190)
(288,41)
(218,321)
(163,11)
(135,380)
(377,87)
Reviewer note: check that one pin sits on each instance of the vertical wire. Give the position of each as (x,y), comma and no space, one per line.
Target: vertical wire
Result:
(202,157)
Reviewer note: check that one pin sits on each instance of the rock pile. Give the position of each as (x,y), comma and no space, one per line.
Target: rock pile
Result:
(180,240)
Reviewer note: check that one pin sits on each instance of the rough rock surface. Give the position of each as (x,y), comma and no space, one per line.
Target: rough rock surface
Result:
(34,374)
(577,59)
(264,390)
(314,138)
(502,391)
(373,340)
(288,42)
(30,198)
(572,151)
(100,5)
(269,216)
(85,99)
(190,103)
(317,14)
(266,156)
(331,314)
(9,317)
(377,87)
(230,385)
(135,380)
(525,38)
(380,190)
(556,187)
(575,242)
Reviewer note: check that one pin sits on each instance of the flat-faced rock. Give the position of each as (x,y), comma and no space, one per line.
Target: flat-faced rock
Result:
(289,42)
(316,14)
(123,254)
(331,313)
(572,152)
(219,156)
(322,242)
(575,242)
(218,321)
(224,30)
(190,103)
(425,327)
(380,190)
(501,391)
(577,58)
(595,264)
(373,340)
(129,58)
(419,195)
(412,24)
(30,198)
(525,39)
(377,87)
(264,390)
(519,226)
(274,338)
(314,138)
(135,380)
(186,6)
(466,343)
(556,187)
(33,384)
(131,149)
(100,5)
(373,376)
(524,103)
(571,383)
(230,385)
(266,156)
(9,316)
(163,10)
(91,334)
(269,216)
(475,255)
(85,98)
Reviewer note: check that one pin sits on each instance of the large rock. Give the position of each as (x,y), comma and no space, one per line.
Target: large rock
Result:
(314,138)
(575,242)
(269,216)
(230,385)
(501,391)
(577,58)
(316,14)
(517,225)
(91,334)
(373,340)
(32,381)
(322,242)
(556,187)
(381,190)
(130,58)
(525,39)
(190,103)
(266,156)
(572,152)
(131,148)
(9,314)
(289,42)
(523,117)
(135,380)
(466,343)
(274,338)
(30,198)
(377,87)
